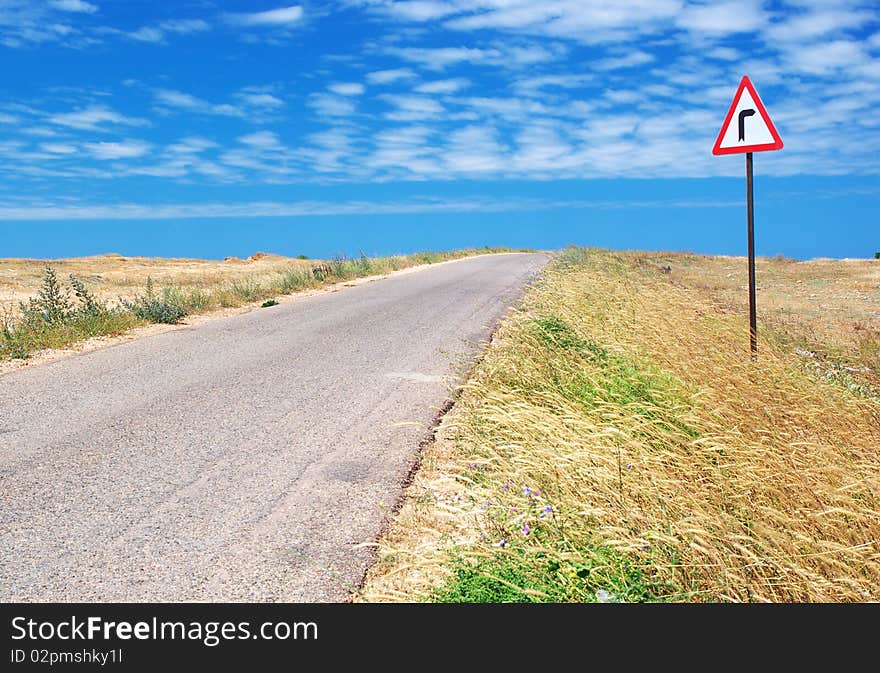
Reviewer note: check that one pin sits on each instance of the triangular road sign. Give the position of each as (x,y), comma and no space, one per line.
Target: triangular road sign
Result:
(748,127)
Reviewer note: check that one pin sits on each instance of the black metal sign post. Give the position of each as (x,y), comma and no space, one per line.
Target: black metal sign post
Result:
(753,311)
(758,135)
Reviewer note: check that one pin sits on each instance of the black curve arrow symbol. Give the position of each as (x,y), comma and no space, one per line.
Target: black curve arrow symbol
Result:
(742,123)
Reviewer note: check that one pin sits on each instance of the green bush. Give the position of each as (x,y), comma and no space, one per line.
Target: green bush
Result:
(295,279)
(53,320)
(52,303)
(153,308)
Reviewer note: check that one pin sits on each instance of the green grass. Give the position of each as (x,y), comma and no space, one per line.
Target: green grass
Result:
(588,373)
(589,575)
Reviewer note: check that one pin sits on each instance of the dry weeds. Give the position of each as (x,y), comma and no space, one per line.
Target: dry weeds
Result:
(623,398)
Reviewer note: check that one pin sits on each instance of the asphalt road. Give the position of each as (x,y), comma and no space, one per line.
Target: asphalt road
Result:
(245,459)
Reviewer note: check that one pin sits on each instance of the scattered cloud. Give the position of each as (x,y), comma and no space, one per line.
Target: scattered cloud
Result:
(185,101)
(328,105)
(109,151)
(444,86)
(261,100)
(411,108)
(724,18)
(440,58)
(390,76)
(58,148)
(158,32)
(285,16)
(629,60)
(347,88)
(262,139)
(461,89)
(76,6)
(426,204)
(93,118)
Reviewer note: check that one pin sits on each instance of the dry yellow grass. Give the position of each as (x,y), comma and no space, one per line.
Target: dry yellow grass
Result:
(627,398)
(113,276)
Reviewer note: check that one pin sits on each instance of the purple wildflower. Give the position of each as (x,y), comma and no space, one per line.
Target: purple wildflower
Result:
(526,530)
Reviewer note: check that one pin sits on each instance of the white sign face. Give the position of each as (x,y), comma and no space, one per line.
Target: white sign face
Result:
(748,127)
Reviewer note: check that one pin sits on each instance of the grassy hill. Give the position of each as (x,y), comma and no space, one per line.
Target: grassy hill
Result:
(618,443)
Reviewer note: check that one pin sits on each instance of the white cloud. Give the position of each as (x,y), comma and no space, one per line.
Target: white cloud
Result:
(94,117)
(424,204)
(331,106)
(191,145)
(412,108)
(347,88)
(724,53)
(630,60)
(178,27)
(185,26)
(819,23)
(723,18)
(440,58)
(475,149)
(76,6)
(825,58)
(533,85)
(263,100)
(419,10)
(147,34)
(58,148)
(390,76)
(109,151)
(264,140)
(444,86)
(185,101)
(284,16)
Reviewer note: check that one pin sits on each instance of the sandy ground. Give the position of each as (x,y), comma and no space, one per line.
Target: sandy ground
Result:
(113,276)
(826,301)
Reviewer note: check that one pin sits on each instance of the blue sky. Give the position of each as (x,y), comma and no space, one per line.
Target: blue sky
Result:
(201,128)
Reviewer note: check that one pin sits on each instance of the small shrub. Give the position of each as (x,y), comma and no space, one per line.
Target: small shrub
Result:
(323,272)
(52,303)
(302,256)
(365,265)
(245,290)
(152,308)
(295,279)
(52,320)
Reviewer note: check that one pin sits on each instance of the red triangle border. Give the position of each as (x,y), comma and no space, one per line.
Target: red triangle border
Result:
(717,150)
